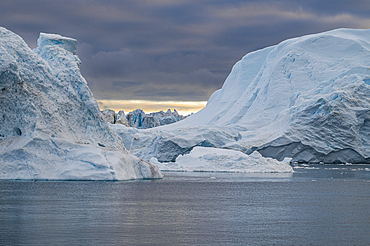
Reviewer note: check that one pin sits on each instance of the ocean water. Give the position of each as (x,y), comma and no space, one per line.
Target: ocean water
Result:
(316,205)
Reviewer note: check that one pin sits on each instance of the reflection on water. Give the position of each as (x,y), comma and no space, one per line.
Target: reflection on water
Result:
(317,205)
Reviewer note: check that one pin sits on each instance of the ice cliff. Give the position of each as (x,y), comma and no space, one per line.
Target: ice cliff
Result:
(306,98)
(50,124)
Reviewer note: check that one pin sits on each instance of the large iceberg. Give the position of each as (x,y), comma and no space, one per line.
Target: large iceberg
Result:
(306,98)
(50,124)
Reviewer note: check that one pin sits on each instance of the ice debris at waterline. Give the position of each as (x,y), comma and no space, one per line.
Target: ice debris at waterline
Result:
(223,160)
(50,124)
(307,98)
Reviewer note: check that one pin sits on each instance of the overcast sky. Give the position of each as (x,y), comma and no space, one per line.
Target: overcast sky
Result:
(178,50)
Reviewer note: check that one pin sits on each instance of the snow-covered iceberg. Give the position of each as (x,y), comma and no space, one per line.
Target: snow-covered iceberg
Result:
(306,98)
(224,160)
(50,124)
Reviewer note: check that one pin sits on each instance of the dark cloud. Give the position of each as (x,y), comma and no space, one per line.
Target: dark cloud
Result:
(173,49)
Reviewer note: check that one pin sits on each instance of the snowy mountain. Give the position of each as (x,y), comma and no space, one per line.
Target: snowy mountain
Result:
(50,124)
(306,98)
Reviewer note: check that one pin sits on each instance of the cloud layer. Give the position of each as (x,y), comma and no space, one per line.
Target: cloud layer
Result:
(178,50)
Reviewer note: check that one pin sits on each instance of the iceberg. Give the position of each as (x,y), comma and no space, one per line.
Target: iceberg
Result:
(115,118)
(136,118)
(109,115)
(140,120)
(120,118)
(50,124)
(168,117)
(306,98)
(167,145)
(223,160)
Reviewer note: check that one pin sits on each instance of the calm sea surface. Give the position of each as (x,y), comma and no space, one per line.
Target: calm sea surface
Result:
(316,205)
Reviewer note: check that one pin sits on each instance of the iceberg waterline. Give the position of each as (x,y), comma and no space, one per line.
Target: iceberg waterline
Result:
(50,124)
(306,98)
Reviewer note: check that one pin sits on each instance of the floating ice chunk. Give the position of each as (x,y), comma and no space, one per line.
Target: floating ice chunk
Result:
(223,160)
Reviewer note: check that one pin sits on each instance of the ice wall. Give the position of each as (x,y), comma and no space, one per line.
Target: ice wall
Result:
(50,124)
